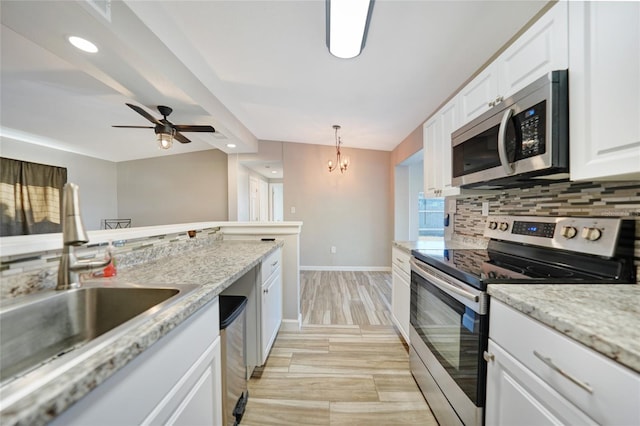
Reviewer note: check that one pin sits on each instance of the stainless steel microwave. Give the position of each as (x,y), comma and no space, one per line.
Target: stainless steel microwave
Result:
(522,141)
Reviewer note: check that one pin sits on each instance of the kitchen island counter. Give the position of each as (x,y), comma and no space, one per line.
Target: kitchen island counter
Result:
(603,317)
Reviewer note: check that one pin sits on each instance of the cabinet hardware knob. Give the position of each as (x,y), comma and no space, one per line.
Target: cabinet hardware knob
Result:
(274,263)
(488,356)
(549,362)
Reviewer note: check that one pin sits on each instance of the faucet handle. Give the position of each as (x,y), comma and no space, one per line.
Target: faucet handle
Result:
(73,230)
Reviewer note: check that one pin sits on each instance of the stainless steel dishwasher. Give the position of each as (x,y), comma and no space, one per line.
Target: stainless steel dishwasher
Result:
(234,369)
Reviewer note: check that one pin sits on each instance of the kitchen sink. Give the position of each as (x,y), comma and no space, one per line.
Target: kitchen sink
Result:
(39,329)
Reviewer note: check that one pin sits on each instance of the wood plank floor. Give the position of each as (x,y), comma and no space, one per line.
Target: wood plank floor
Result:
(347,365)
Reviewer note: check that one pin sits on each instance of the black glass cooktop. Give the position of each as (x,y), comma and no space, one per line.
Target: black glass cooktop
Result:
(520,264)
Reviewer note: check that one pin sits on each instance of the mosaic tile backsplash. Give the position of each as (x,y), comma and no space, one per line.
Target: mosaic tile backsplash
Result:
(34,272)
(611,199)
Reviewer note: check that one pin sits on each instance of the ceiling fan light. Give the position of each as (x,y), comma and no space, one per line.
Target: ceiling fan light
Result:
(83,44)
(165,140)
(347,26)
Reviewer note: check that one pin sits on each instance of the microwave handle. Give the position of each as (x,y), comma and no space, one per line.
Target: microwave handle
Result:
(502,142)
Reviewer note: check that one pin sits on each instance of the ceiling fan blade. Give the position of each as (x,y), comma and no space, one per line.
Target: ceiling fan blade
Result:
(180,138)
(193,128)
(135,127)
(144,113)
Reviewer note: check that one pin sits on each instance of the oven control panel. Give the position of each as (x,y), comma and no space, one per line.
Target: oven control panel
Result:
(581,234)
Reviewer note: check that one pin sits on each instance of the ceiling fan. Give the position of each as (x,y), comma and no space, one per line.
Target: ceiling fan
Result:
(165,130)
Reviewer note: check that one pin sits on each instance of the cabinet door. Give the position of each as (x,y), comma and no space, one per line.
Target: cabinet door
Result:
(541,49)
(271,312)
(480,94)
(449,122)
(400,301)
(432,157)
(515,396)
(197,408)
(604,90)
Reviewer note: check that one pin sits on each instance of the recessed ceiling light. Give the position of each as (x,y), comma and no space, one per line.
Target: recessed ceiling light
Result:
(231,145)
(82,44)
(275,172)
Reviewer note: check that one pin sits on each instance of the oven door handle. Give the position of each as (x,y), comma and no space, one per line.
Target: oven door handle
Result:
(442,284)
(502,142)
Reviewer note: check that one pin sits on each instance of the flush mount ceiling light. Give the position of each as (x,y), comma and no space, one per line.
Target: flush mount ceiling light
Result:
(342,162)
(82,44)
(347,26)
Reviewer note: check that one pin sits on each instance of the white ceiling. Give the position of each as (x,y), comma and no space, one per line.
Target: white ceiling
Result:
(255,70)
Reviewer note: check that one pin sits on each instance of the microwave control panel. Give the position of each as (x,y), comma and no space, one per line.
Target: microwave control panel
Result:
(531,123)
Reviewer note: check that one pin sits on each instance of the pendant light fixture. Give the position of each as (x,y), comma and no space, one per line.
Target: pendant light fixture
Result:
(347,26)
(342,162)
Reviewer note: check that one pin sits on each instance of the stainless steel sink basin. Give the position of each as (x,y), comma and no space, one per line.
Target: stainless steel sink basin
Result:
(45,327)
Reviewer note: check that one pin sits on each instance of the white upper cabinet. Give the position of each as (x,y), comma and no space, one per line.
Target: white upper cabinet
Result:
(432,156)
(541,49)
(479,95)
(604,90)
(437,150)
(449,121)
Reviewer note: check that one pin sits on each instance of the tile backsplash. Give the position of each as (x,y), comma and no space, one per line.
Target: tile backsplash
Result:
(34,272)
(611,199)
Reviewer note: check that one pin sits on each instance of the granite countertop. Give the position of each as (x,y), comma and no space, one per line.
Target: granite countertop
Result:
(441,243)
(214,269)
(604,317)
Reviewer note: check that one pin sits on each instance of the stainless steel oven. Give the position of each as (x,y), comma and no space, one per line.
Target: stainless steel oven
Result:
(449,328)
(449,304)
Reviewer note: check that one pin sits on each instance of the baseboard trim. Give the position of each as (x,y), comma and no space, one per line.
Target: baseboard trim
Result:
(347,268)
(290,325)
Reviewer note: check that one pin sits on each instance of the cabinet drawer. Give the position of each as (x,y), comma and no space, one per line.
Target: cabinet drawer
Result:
(270,264)
(400,260)
(604,390)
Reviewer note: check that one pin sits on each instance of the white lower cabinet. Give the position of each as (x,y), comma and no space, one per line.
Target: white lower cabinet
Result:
(538,376)
(176,381)
(516,396)
(271,312)
(401,291)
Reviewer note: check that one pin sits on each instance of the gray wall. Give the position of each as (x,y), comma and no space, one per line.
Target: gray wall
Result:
(96,178)
(179,188)
(351,211)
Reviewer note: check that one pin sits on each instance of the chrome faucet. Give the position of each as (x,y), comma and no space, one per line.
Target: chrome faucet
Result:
(74,234)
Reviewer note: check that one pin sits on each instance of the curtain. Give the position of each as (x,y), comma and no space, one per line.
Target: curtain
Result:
(30,197)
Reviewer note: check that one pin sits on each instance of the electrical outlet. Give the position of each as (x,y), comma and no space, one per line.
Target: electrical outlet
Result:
(333,249)
(485,208)
(451,206)
(293,210)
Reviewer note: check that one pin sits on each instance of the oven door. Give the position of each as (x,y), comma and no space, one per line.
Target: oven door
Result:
(449,333)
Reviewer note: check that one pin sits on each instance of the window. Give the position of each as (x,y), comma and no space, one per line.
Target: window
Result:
(30,196)
(430,216)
